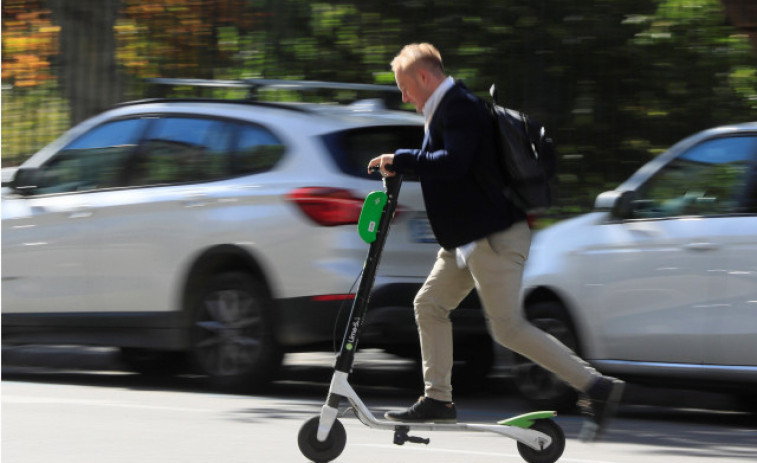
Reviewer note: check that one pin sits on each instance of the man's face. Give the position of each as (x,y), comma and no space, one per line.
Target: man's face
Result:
(411,84)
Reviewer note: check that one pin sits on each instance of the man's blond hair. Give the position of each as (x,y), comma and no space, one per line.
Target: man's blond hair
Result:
(418,53)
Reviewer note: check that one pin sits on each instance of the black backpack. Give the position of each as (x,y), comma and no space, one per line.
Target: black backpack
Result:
(526,157)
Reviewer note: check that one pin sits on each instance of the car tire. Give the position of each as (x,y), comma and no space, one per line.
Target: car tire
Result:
(540,387)
(232,336)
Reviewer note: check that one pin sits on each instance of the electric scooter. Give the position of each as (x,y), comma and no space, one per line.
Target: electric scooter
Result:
(322,438)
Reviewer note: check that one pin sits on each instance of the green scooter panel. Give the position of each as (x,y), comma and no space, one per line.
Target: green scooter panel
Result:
(370,216)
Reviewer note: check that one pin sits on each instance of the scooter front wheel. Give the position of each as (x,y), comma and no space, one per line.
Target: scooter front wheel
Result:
(549,454)
(317,451)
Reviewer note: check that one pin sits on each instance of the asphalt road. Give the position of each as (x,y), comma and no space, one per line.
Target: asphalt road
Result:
(71,405)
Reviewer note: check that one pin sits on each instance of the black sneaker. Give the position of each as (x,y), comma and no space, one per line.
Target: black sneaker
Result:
(426,410)
(599,405)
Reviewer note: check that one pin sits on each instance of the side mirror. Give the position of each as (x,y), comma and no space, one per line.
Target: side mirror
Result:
(624,205)
(619,203)
(25,180)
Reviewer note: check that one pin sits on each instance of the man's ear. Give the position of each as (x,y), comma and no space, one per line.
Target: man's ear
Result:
(423,76)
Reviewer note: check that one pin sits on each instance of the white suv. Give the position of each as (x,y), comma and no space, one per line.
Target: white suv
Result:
(659,283)
(221,228)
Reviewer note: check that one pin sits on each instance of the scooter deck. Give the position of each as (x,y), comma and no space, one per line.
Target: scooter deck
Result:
(524,421)
(515,428)
(520,433)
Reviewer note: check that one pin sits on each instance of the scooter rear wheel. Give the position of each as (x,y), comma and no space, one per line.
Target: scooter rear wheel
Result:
(550,454)
(317,451)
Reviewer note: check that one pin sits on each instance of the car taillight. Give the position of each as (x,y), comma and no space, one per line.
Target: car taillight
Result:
(328,206)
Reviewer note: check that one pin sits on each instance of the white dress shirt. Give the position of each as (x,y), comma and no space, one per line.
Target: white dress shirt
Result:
(433,101)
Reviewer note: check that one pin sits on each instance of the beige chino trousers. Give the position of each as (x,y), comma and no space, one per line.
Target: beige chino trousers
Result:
(495,269)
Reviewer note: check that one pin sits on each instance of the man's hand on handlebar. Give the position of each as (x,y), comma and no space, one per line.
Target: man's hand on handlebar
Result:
(383,164)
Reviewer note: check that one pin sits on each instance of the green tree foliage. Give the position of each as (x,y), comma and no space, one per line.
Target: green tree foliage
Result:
(32,112)
(616,81)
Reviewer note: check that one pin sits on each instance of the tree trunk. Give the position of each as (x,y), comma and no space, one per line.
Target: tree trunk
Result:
(87,69)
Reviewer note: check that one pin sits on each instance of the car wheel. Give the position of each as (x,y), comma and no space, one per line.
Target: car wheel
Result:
(540,387)
(232,335)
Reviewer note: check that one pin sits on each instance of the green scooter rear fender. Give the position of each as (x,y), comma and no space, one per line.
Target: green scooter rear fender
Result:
(527,419)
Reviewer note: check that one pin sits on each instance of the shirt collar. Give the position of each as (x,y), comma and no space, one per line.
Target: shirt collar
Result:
(433,101)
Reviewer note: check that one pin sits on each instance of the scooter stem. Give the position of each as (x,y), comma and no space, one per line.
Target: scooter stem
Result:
(346,357)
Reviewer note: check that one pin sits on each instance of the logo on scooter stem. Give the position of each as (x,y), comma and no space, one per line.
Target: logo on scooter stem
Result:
(353,334)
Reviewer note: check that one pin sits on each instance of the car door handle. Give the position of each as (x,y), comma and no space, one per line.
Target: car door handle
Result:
(702,246)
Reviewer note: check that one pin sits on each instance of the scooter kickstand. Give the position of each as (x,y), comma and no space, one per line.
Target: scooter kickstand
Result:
(401,436)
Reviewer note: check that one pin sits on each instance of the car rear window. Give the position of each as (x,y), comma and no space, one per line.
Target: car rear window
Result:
(352,149)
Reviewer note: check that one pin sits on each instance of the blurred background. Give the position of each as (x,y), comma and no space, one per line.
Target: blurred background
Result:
(616,81)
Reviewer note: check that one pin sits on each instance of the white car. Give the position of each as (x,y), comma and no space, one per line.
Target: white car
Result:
(659,283)
(225,229)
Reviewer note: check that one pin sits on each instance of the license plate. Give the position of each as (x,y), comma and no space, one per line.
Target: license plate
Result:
(420,230)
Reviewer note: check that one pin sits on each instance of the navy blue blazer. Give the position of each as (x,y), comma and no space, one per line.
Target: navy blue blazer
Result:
(460,209)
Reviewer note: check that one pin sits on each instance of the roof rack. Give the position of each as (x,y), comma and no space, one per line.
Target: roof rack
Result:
(269,104)
(253,85)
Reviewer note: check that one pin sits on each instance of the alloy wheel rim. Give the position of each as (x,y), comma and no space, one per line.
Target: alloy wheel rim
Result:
(229,332)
